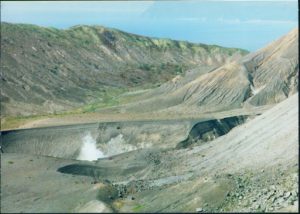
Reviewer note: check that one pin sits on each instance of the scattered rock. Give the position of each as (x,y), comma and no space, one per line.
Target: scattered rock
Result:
(107,181)
(281,193)
(287,194)
(294,193)
(26,87)
(199,210)
(265,191)
(274,199)
(257,207)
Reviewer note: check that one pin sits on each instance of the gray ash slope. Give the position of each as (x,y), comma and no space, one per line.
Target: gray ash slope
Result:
(116,137)
(252,168)
(45,69)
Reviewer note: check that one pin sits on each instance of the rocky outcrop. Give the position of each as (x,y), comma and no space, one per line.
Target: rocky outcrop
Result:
(209,130)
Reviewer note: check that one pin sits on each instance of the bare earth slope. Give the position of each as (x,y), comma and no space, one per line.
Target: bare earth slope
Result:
(46,70)
(267,76)
(274,70)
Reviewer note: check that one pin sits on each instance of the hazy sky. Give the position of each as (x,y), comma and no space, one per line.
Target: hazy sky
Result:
(244,24)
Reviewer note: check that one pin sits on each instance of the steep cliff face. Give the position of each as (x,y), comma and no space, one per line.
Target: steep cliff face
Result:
(45,69)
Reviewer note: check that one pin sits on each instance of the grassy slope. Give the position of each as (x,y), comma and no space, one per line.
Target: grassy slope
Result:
(46,70)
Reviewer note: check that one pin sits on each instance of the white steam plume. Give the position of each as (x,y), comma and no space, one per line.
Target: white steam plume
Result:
(89,150)
(117,145)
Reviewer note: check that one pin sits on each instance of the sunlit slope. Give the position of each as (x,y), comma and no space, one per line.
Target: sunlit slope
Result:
(274,70)
(261,78)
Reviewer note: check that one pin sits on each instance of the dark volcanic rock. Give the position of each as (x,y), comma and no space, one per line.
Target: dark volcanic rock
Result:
(209,130)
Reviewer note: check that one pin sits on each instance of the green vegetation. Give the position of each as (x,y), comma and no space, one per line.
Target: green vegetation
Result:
(17,121)
(168,68)
(107,99)
(138,208)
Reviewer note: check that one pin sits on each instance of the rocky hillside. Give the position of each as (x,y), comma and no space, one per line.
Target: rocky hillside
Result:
(265,77)
(45,69)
